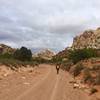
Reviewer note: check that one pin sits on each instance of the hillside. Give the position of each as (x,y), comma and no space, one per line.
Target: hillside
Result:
(86,69)
(88,39)
(6,49)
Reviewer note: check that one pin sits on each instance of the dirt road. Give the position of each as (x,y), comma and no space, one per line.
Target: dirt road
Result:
(42,84)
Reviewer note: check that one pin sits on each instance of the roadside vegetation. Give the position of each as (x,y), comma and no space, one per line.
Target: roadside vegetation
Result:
(21,57)
(84,63)
(81,54)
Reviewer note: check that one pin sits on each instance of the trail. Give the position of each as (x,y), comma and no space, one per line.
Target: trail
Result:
(45,86)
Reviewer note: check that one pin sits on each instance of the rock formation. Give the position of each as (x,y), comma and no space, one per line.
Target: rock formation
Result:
(45,54)
(6,49)
(89,39)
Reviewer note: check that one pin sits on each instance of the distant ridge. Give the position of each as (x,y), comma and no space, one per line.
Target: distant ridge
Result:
(6,49)
(45,54)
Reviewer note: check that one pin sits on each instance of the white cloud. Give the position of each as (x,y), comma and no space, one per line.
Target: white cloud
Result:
(46,23)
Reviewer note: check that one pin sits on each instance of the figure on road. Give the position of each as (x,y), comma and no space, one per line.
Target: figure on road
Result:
(57,68)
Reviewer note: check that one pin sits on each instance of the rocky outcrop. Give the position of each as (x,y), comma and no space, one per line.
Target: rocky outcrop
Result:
(6,49)
(89,39)
(45,54)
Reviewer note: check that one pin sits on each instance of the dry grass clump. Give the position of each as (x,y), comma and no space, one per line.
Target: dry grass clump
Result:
(87,77)
(76,70)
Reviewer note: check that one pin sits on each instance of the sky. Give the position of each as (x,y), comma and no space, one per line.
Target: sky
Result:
(46,23)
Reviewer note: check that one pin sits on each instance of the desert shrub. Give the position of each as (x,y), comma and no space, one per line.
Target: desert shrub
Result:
(93,90)
(40,60)
(56,59)
(6,56)
(66,65)
(14,63)
(81,54)
(97,79)
(87,77)
(23,54)
(77,69)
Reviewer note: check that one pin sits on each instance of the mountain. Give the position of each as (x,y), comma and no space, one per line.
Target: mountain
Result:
(45,54)
(6,49)
(88,39)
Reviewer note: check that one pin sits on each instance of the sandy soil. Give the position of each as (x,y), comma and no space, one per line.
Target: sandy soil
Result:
(41,84)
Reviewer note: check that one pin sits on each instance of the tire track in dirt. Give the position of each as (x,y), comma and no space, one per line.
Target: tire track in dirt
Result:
(55,89)
(34,86)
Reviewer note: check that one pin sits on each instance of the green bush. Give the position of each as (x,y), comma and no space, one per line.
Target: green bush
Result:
(6,55)
(81,54)
(56,59)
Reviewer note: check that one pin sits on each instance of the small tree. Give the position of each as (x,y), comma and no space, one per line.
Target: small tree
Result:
(23,54)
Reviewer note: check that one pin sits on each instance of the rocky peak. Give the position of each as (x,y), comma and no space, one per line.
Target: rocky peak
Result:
(46,54)
(88,39)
